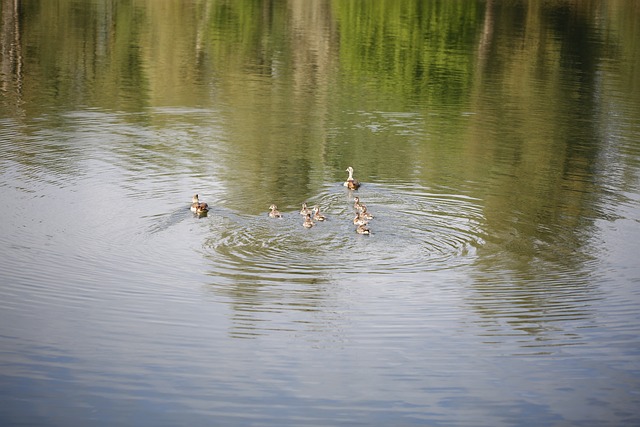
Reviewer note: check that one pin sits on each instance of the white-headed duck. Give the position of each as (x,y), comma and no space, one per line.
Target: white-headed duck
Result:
(351,183)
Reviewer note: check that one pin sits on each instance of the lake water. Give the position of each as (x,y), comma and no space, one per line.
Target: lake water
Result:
(498,146)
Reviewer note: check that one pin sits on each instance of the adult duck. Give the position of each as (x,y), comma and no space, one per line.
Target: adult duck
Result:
(202,210)
(351,183)
(198,206)
(274,213)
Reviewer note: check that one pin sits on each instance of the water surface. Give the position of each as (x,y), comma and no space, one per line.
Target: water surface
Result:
(498,146)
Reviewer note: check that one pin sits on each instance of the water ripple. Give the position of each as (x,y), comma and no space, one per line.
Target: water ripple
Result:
(413,230)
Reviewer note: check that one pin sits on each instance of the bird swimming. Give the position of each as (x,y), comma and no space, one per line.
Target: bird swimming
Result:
(364,214)
(305,210)
(198,206)
(351,183)
(202,210)
(317,215)
(307,221)
(359,220)
(362,229)
(274,213)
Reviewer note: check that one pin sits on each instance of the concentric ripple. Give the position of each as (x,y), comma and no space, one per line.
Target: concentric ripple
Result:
(413,230)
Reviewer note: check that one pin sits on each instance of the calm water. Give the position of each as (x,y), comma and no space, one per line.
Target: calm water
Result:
(499,148)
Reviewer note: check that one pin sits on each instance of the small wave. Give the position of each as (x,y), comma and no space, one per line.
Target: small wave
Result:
(412,230)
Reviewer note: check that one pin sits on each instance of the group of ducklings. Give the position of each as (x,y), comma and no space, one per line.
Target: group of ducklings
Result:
(310,215)
(362,216)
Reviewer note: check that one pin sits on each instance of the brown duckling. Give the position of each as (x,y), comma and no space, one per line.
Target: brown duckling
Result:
(317,216)
(274,213)
(308,223)
(362,229)
(305,210)
(364,214)
(356,204)
(358,220)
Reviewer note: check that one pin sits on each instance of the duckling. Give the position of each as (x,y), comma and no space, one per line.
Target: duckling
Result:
(196,204)
(307,221)
(305,210)
(275,213)
(359,220)
(364,214)
(351,183)
(356,204)
(317,215)
(362,229)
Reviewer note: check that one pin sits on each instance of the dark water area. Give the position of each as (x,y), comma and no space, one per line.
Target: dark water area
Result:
(498,147)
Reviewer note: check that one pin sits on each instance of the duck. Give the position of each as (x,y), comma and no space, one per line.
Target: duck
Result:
(305,210)
(202,210)
(317,215)
(308,223)
(351,183)
(275,213)
(364,214)
(197,205)
(359,220)
(362,229)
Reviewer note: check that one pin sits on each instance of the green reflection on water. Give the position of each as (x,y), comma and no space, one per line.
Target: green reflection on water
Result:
(510,103)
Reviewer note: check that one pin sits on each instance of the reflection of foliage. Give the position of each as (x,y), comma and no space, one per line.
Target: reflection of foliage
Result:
(318,83)
(541,130)
(416,49)
(246,35)
(83,55)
